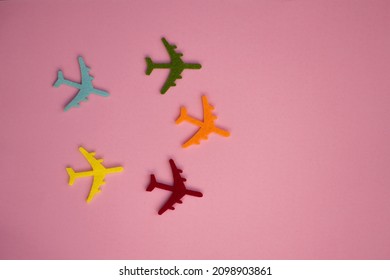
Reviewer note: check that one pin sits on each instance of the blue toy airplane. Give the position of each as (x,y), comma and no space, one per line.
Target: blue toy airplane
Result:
(85,87)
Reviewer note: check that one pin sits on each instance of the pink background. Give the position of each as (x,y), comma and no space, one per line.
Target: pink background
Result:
(303,86)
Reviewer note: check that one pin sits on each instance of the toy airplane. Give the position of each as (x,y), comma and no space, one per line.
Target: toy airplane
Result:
(85,87)
(178,189)
(206,127)
(176,65)
(98,172)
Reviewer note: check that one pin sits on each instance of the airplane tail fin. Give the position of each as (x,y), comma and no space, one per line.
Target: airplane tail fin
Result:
(60,79)
(72,175)
(150,65)
(152,184)
(183,115)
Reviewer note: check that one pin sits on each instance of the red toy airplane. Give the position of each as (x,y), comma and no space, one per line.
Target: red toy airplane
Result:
(178,189)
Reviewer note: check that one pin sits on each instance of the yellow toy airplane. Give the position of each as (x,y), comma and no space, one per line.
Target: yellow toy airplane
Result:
(98,172)
(206,127)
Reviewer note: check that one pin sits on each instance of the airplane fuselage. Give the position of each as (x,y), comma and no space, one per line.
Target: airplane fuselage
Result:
(180,66)
(98,172)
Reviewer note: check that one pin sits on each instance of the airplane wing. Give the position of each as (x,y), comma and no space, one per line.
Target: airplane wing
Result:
(98,180)
(177,178)
(90,157)
(177,66)
(175,56)
(87,79)
(195,139)
(208,116)
(168,205)
(84,69)
(174,74)
(75,102)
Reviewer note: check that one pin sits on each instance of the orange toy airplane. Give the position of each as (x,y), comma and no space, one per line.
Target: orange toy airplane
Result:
(206,127)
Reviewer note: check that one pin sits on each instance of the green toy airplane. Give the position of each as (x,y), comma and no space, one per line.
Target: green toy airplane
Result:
(176,65)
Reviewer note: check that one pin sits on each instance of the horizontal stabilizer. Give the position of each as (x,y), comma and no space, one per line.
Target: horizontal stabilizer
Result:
(183,115)
(149,65)
(152,184)
(60,79)
(72,175)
